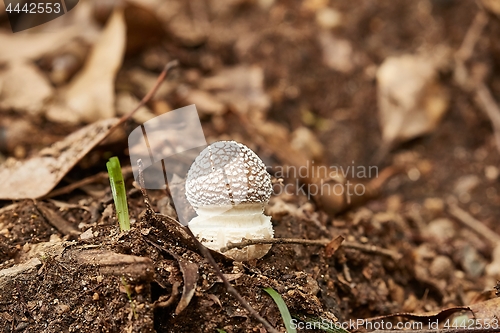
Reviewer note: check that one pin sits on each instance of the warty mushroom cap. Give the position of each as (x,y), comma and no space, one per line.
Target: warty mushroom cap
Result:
(227,173)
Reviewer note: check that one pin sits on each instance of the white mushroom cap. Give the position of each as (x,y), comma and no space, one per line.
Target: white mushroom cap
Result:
(227,173)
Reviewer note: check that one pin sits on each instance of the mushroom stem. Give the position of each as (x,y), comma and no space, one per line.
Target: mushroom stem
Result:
(216,227)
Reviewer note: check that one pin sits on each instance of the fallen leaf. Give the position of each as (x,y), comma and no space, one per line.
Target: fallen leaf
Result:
(90,96)
(333,246)
(337,53)
(190,32)
(143,81)
(126,102)
(205,102)
(24,88)
(25,46)
(35,177)
(305,141)
(241,88)
(143,27)
(492,5)
(410,98)
(190,276)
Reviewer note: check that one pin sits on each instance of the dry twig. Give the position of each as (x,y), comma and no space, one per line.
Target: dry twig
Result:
(482,95)
(352,245)
(52,218)
(487,103)
(474,224)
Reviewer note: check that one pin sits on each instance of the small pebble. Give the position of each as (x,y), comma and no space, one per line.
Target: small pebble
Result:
(472,262)
(441,267)
(491,172)
(328,18)
(88,234)
(21,326)
(441,229)
(434,205)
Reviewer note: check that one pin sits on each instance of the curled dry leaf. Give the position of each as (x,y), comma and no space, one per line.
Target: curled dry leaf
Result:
(50,165)
(90,96)
(410,98)
(24,88)
(190,277)
(333,246)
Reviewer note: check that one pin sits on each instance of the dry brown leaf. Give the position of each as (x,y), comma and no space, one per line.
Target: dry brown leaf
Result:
(38,175)
(205,102)
(241,88)
(190,277)
(126,102)
(333,246)
(492,5)
(25,46)
(143,81)
(91,96)
(337,53)
(24,88)
(485,311)
(489,309)
(305,141)
(411,100)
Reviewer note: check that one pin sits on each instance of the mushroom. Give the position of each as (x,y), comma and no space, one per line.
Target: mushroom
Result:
(228,186)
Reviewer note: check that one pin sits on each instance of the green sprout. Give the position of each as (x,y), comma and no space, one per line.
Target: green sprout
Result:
(119,194)
(285,314)
(220,331)
(128,290)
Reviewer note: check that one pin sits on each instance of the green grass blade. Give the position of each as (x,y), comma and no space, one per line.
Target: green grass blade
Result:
(119,194)
(285,314)
(220,331)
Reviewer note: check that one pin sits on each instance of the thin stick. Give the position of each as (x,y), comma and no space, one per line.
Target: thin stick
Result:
(485,101)
(168,67)
(472,35)
(482,95)
(352,245)
(474,224)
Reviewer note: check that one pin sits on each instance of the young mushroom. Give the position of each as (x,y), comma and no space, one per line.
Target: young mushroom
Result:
(228,186)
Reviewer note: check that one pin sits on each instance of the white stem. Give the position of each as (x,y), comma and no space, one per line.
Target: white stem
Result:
(216,226)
